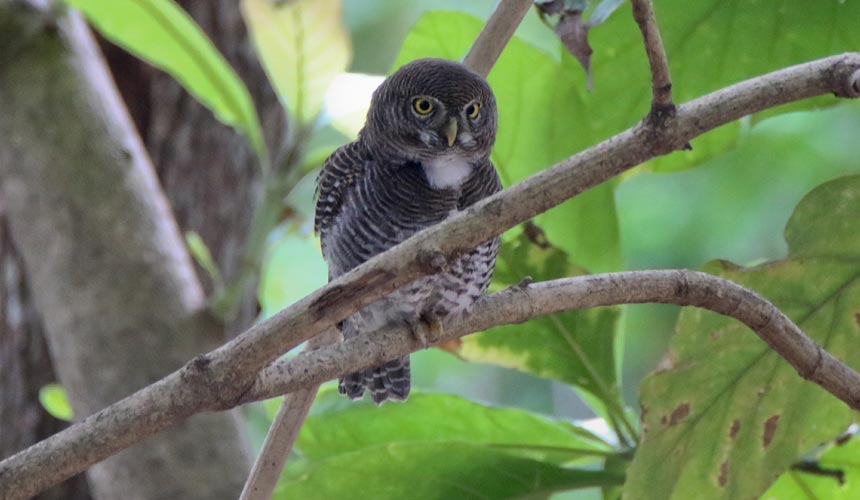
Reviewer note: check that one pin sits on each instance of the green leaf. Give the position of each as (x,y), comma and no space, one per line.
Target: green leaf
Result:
(338,426)
(303,46)
(725,415)
(541,110)
(711,44)
(293,268)
(575,347)
(162,34)
(201,254)
(834,475)
(440,470)
(54,401)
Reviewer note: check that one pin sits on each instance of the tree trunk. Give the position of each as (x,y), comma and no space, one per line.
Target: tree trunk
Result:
(107,267)
(25,367)
(207,171)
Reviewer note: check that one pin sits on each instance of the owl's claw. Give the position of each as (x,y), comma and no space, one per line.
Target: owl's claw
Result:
(427,329)
(434,330)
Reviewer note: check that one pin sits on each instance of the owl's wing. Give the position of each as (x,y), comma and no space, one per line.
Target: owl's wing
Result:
(482,182)
(338,175)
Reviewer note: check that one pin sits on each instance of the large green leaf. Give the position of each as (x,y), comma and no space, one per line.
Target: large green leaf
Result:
(541,121)
(162,34)
(724,415)
(303,46)
(834,475)
(711,44)
(339,426)
(293,268)
(439,470)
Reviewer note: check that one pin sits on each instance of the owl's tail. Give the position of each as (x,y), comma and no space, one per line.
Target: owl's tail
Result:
(389,381)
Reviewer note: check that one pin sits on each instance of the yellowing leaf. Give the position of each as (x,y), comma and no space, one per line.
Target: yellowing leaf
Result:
(303,46)
(162,34)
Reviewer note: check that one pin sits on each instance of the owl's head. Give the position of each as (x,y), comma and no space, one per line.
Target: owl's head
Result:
(431,108)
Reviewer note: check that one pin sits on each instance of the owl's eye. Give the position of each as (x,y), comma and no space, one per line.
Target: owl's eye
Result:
(422,106)
(472,110)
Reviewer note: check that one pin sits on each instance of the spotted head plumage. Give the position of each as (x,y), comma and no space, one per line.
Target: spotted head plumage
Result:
(422,155)
(431,108)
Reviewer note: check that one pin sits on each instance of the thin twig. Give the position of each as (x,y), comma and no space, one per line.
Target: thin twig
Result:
(496,34)
(661,83)
(221,378)
(283,433)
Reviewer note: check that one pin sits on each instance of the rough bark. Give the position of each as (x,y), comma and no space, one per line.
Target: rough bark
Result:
(106,263)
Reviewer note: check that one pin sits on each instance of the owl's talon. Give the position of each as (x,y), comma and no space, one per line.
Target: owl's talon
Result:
(435,331)
(434,328)
(418,332)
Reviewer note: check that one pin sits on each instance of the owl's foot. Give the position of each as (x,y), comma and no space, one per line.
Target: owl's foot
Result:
(434,328)
(427,329)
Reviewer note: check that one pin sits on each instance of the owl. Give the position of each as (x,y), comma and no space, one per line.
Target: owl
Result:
(423,155)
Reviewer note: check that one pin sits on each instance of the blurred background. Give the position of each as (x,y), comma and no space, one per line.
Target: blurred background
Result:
(729,198)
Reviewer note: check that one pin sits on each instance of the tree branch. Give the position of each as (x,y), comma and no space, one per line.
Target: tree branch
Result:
(521,303)
(496,34)
(661,84)
(222,378)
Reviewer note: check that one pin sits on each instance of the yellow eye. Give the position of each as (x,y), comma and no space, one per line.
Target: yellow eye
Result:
(422,106)
(472,110)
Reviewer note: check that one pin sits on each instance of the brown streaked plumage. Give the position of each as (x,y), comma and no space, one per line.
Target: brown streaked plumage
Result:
(422,155)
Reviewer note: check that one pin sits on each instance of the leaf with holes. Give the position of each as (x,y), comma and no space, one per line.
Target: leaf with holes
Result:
(724,415)
(162,34)
(303,46)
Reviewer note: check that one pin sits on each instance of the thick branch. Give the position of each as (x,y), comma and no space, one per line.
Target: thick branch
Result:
(661,84)
(221,378)
(495,35)
(520,303)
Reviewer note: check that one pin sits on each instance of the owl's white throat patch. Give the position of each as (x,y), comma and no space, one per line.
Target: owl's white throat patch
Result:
(447,172)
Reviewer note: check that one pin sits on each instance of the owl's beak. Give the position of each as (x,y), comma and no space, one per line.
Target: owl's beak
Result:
(451,131)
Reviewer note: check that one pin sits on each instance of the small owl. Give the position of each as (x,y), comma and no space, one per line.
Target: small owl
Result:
(422,155)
